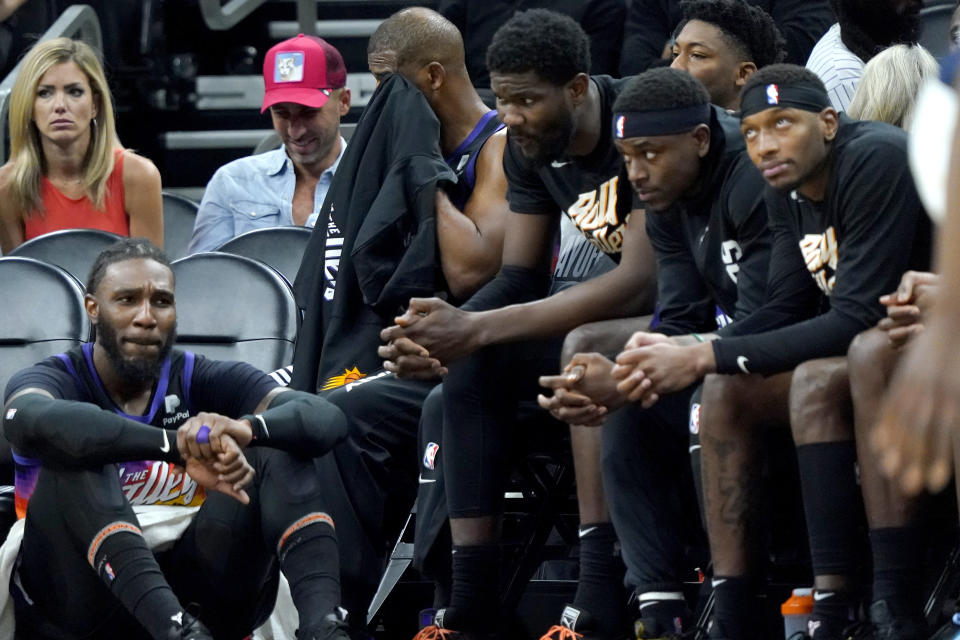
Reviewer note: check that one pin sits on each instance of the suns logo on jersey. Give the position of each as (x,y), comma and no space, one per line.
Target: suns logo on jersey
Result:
(595,214)
(159,483)
(348,376)
(820,254)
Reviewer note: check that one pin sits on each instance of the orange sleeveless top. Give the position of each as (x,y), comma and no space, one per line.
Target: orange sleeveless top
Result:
(61,212)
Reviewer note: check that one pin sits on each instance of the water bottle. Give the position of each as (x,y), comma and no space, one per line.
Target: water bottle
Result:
(796,611)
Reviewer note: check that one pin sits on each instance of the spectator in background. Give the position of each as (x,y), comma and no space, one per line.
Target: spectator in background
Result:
(651,23)
(305,80)
(890,84)
(863,29)
(67,168)
(477,21)
(722,42)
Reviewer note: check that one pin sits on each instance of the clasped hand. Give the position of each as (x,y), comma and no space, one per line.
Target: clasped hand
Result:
(217,464)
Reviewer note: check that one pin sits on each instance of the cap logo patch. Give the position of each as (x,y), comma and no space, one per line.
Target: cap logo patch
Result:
(620,122)
(773,94)
(288,67)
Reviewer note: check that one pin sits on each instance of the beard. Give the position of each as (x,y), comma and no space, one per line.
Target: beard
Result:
(137,372)
(553,143)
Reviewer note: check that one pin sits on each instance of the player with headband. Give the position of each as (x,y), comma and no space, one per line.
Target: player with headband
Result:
(707,222)
(846,223)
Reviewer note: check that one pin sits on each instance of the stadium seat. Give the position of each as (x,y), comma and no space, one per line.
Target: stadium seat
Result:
(43,315)
(179,215)
(280,247)
(234,308)
(74,250)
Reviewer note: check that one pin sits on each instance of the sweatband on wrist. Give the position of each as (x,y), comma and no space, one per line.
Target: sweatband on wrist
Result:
(659,122)
(299,422)
(761,97)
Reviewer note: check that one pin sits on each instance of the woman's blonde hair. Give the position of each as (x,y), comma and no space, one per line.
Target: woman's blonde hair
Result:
(890,83)
(26,153)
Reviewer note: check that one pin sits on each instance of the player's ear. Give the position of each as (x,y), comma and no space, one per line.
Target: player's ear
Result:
(578,88)
(701,137)
(744,71)
(435,75)
(92,307)
(829,123)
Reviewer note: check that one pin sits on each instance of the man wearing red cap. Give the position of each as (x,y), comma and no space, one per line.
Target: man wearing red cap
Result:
(305,80)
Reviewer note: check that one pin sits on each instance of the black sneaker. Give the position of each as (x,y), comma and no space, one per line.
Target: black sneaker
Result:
(888,626)
(187,627)
(332,627)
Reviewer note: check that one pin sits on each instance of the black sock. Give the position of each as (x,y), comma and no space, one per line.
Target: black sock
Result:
(474,601)
(897,569)
(736,611)
(126,565)
(831,501)
(310,561)
(600,586)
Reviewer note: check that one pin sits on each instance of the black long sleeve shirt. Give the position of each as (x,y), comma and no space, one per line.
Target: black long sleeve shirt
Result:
(856,244)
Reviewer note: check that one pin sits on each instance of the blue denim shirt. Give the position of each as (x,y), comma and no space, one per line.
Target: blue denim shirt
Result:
(250,193)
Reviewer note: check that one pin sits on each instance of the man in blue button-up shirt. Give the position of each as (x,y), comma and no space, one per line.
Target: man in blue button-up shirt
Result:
(305,81)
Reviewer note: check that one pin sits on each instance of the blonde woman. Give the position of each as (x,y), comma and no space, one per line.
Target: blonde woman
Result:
(67,168)
(890,83)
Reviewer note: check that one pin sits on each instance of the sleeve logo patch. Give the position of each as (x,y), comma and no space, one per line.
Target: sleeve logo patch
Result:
(695,418)
(430,455)
(11,413)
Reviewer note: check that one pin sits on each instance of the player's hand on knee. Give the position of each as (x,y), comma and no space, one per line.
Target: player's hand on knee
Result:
(914,286)
(643,339)
(572,407)
(444,330)
(200,436)
(228,474)
(407,359)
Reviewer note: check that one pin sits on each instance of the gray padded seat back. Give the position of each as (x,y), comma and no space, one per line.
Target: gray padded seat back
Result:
(42,315)
(235,308)
(74,250)
(179,216)
(280,247)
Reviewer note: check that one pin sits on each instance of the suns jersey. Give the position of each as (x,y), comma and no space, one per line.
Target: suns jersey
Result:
(187,383)
(593,191)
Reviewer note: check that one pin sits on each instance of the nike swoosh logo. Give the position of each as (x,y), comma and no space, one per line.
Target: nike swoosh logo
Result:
(166,442)
(586,532)
(821,596)
(742,363)
(426,480)
(556,164)
(719,581)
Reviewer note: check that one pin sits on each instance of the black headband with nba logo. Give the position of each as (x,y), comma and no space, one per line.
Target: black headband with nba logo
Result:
(661,122)
(760,97)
